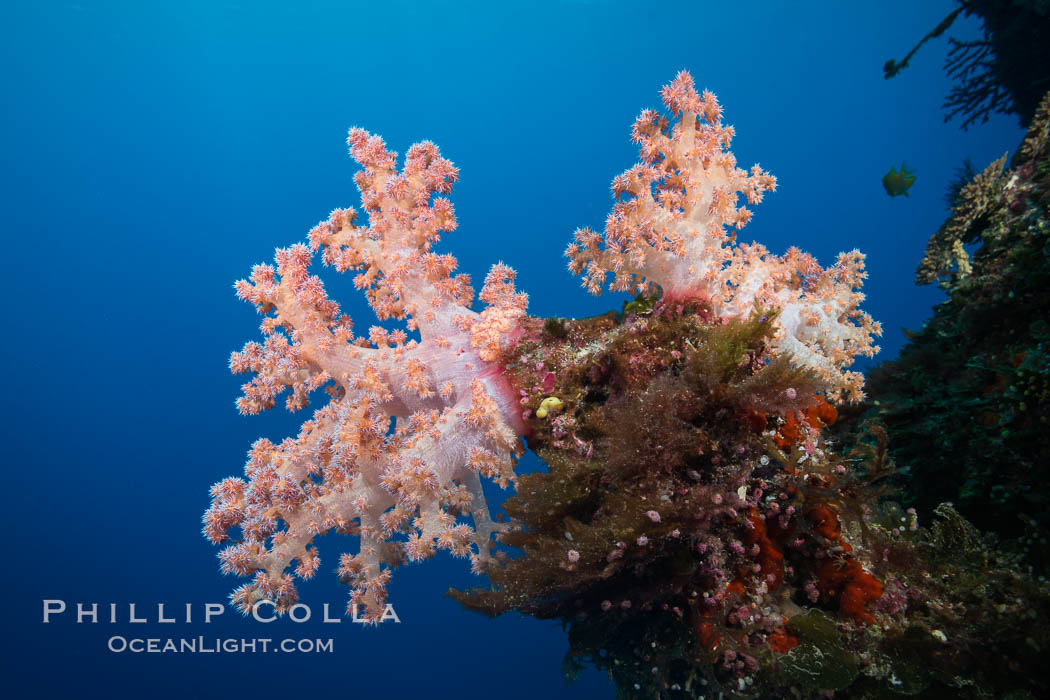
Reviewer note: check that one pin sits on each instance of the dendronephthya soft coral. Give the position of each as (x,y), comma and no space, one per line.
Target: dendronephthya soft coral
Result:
(672,228)
(411,424)
(395,455)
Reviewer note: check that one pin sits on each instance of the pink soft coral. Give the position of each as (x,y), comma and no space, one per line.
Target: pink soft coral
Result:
(410,425)
(674,227)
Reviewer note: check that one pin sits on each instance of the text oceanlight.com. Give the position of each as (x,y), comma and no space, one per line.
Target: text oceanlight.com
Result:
(203,645)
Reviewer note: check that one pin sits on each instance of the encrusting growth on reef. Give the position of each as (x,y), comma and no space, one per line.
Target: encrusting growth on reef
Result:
(698,535)
(977,374)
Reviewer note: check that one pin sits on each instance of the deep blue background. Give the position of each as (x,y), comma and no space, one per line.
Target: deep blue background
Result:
(152,152)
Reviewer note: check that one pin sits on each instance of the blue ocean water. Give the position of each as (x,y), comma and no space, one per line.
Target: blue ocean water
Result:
(153,152)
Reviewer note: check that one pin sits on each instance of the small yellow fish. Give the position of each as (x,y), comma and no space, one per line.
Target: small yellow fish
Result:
(898,182)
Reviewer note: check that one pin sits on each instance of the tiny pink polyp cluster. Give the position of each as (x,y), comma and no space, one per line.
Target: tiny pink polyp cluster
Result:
(395,455)
(674,225)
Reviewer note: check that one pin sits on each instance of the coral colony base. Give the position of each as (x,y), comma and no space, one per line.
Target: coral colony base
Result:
(693,530)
